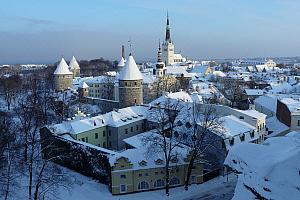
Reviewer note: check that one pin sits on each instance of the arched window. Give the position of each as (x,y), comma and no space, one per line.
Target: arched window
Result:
(174,181)
(143,185)
(159,183)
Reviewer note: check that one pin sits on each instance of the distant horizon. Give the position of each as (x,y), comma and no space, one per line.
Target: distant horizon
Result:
(42,31)
(144,61)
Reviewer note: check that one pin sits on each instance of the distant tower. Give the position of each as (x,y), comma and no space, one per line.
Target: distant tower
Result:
(83,89)
(62,76)
(130,84)
(168,46)
(122,62)
(123,51)
(74,67)
(161,69)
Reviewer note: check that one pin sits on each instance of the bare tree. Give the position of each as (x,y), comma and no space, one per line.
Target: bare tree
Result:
(202,123)
(32,113)
(164,141)
(232,90)
(165,84)
(8,152)
(10,86)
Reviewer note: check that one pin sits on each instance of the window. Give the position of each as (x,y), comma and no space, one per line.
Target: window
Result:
(159,183)
(109,143)
(176,134)
(231,141)
(137,127)
(123,176)
(252,134)
(104,144)
(96,135)
(146,174)
(156,173)
(298,122)
(193,180)
(86,139)
(242,137)
(140,175)
(134,83)
(174,181)
(143,185)
(125,83)
(103,133)
(83,140)
(126,131)
(123,188)
(131,129)
(134,100)
(109,132)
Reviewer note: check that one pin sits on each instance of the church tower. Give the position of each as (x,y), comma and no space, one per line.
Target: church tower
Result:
(161,69)
(130,84)
(168,46)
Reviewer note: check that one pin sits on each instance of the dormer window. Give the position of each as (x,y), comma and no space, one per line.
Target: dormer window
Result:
(174,160)
(143,163)
(231,141)
(179,123)
(188,125)
(159,162)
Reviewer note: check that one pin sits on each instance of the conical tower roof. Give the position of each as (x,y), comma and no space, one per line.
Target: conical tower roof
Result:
(122,62)
(73,64)
(62,68)
(83,85)
(130,71)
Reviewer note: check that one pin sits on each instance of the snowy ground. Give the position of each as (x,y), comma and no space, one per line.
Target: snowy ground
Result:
(87,189)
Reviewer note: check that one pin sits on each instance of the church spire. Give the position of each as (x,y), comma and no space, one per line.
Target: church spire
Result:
(168,31)
(159,59)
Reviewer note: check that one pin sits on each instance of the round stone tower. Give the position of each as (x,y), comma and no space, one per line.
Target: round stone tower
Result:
(130,84)
(62,76)
(74,67)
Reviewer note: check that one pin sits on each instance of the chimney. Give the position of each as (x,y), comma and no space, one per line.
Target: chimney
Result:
(123,51)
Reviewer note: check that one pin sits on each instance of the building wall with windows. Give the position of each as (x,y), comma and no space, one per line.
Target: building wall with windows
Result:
(126,179)
(96,136)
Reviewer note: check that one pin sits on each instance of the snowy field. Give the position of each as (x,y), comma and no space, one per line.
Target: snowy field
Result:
(87,189)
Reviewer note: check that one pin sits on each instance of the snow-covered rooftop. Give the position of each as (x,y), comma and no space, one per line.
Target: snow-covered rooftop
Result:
(292,104)
(62,68)
(270,170)
(121,62)
(114,118)
(73,64)
(130,71)
(83,85)
(234,126)
(254,92)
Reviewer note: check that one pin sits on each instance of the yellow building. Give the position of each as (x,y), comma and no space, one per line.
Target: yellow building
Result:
(135,170)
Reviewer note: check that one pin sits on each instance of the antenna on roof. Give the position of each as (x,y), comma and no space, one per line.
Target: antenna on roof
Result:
(130,43)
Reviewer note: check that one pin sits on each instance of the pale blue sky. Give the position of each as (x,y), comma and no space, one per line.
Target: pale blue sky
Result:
(44,30)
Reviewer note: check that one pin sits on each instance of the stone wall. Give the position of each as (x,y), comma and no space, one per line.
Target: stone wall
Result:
(130,93)
(62,82)
(83,159)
